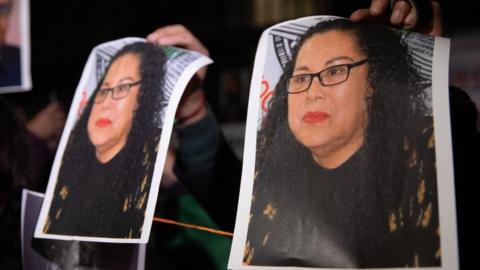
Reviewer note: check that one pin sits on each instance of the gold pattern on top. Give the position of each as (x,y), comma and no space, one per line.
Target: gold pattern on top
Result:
(127,203)
(58,214)
(144,183)
(265,239)
(270,211)
(141,201)
(392,222)
(427,215)
(413,159)
(47,225)
(248,254)
(64,192)
(421,191)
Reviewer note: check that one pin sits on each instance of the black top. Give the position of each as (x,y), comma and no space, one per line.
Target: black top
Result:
(9,66)
(107,200)
(305,215)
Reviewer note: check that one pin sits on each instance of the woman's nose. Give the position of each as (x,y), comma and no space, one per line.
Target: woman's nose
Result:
(316,89)
(108,100)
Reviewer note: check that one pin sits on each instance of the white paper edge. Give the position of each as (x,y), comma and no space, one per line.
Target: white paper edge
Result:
(248,168)
(25,193)
(25,45)
(443,154)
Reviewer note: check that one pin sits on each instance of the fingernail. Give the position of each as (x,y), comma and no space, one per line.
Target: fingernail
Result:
(151,37)
(396,17)
(376,8)
(410,20)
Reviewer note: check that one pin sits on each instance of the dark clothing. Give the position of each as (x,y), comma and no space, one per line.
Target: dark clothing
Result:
(210,170)
(10,73)
(10,251)
(206,168)
(106,200)
(347,217)
(466,151)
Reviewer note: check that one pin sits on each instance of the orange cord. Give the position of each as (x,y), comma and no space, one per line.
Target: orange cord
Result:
(191,226)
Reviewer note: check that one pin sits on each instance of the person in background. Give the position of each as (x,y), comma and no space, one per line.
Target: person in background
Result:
(202,184)
(14,158)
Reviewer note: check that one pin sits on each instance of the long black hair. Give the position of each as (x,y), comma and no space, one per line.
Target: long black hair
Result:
(130,169)
(398,100)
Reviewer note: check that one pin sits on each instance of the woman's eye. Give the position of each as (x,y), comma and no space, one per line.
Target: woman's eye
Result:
(300,79)
(102,92)
(335,71)
(123,88)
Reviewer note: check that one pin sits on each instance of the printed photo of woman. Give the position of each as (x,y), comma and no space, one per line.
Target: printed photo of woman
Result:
(104,178)
(345,171)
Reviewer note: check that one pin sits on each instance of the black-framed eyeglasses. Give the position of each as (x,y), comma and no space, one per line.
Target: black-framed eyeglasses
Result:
(118,92)
(327,77)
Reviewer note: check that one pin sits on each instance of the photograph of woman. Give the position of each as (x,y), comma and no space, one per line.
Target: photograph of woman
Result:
(104,178)
(345,171)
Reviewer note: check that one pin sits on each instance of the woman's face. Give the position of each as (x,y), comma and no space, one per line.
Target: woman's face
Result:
(110,121)
(330,120)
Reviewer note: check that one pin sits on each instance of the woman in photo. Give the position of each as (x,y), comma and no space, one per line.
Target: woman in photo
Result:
(104,179)
(345,166)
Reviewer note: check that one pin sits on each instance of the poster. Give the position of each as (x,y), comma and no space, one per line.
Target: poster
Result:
(15,46)
(55,254)
(106,174)
(349,161)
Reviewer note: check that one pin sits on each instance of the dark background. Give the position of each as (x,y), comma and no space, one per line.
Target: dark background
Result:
(63,32)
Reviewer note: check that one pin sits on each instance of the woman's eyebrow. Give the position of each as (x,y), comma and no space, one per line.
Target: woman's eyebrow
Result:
(122,80)
(338,58)
(128,78)
(302,68)
(329,62)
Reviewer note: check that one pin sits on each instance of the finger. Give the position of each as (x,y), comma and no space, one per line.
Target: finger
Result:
(436,28)
(364,15)
(411,19)
(360,15)
(177,35)
(166,30)
(378,7)
(400,10)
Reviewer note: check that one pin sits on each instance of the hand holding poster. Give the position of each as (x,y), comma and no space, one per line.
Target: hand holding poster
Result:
(105,178)
(349,164)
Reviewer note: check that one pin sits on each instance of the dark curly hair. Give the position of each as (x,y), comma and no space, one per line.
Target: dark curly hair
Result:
(398,99)
(142,140)
(152,61)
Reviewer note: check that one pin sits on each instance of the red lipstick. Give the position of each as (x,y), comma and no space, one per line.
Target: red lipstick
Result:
(315,117)
(103,122)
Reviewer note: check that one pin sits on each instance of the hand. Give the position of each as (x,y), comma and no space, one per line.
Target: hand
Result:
(48,124)
(178,35)
(192,104)
(403,15)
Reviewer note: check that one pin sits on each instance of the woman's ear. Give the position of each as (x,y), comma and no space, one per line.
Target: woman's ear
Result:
(370,91)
